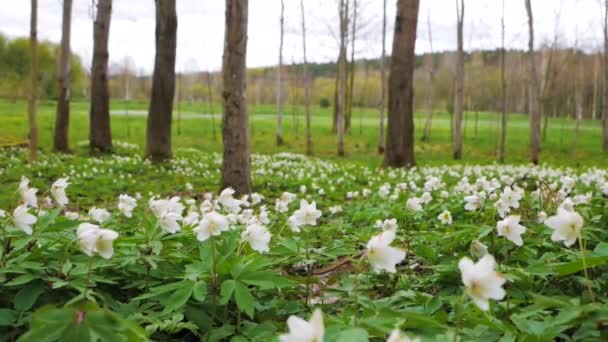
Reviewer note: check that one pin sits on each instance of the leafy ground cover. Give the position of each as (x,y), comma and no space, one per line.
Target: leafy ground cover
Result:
(125,250)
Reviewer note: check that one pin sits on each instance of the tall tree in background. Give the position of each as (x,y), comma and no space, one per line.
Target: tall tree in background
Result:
(236,163)
(533,111)
(62,120)
(605,144)
(158,146)
(400,140)
(381,139)
(307,82)
(31,108)
(351,72)
(430,65)
(459,86)
(279,83)
(100,135)
(341,103)
(503,90)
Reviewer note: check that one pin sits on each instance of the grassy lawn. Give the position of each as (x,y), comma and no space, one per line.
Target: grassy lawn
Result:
(195,127)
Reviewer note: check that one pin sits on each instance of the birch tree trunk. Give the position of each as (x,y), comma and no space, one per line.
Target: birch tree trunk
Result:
(279,83)
(236,163)
(62,119)
(459,86)
(31,108)
(307,81)
(534,112)
(100,135)
(158,134)
(381,139)
(400,139)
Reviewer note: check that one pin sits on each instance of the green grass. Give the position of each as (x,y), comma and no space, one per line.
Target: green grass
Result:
(361,144)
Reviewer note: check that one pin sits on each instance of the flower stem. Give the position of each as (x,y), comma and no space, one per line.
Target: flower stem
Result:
(88,280)
(214,276)
(584,260)
(308,268)
(458,317)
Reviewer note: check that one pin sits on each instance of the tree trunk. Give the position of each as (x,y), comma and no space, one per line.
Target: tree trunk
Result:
(459,91)
(534,113)
(381,139)
(31,110)
(503,91)
(158,133)
(210,105)
(605,144)
(307,82)
(62,121)
(279,83)
(596,68)
(351,73)
(236,163)
(426,133)
(578,103)
(400,140)
(341,105)
(100,136)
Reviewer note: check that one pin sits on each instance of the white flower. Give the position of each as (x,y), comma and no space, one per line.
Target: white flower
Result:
(388,224)
(293,225)
(305,331)
(189,187)
(478,249)
(206,206)
(474,201)
(99,214)
(58,191)
(502,208)
(445,217)
(28,195)
(381,255)
(414,204)
(93,240)
(191,218)
(566,226)
(168,222)
(72,215)
(397,337)
(211,224)
(481,281)
(126,204)
(511,229)
(24,220)
(257,236)
(307,214)
(542,216)
(231,204)
(2,213)
(511,197)
(335,209)
(426,198)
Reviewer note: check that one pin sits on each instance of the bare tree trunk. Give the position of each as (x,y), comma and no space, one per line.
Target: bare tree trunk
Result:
(533,102)
(381,139)
(307,82)
(426,134)
(341,105)
(351,72)
(459,86)
(210,105)
(100,135)
(596,67)
(279,83)
(62,120)
(236,163)
(503,91)
(400,140)
(605,144)
(578,102)
(158,145)
(31,110)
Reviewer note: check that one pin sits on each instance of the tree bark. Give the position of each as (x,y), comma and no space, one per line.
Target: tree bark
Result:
(236,163)
(62,120)
(307,81)
(459,91)
(100,135)
(33,133)
(534,112)
(381,139)
(426,134)
(351,73)
(160,114)
(400,141)
(605,142)
(503,91)
(279,83)
(341,105)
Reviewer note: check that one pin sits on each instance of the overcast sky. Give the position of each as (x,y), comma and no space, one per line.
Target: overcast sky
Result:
(201,28)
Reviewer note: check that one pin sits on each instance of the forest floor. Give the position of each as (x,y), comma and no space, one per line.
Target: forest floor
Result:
(199,126)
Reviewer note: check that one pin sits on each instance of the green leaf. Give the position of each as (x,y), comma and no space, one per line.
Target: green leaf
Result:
(353,335)
(200,291)
(7,317)
(27,296)
(226,291)
(244,298)
(179,297)
(20,280)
